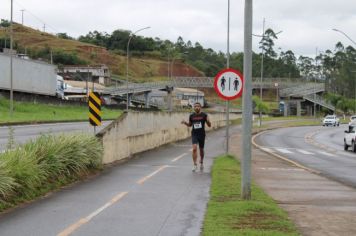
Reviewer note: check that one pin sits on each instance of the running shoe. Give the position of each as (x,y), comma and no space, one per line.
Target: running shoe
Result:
(195,168)
(201,167)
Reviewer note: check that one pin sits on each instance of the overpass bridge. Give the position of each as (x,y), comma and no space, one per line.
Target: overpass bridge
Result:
(289,90)
(305,96)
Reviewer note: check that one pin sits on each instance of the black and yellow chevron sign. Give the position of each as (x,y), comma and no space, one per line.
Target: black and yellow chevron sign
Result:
(94,109)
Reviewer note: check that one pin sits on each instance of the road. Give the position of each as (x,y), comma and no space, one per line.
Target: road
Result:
(318,148)
(23,133)
(155,193)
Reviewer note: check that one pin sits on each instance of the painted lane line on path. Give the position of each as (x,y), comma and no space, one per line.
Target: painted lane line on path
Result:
(179,157)
(144,179)
(85,220)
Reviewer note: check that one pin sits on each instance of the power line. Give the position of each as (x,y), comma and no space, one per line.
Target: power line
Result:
(45,24)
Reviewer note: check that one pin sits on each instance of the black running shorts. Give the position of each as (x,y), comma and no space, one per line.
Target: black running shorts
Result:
(198,139)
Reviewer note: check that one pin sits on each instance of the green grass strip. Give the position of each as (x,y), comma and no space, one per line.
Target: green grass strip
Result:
(227,214)
(31,112)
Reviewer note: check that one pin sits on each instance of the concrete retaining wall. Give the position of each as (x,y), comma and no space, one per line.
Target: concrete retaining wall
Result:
(136,132)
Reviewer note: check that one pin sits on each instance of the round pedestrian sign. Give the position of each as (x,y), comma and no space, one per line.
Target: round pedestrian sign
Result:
(228,84)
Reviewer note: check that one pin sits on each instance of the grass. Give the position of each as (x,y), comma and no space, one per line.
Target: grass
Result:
(227,214)
(30,112)
(45,164)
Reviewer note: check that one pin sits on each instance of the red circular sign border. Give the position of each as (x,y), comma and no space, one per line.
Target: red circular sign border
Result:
(216,83)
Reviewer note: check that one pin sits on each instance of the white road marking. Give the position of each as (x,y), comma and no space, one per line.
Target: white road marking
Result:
(282,150)
(141,181)
(179,157)
(85,220)
(304,152)
(326,154)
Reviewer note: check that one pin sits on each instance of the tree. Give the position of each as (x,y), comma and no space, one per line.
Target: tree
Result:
(267,43)
(260,105)
(64,36)
(5,23)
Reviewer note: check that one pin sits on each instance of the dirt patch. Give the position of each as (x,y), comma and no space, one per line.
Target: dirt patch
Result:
(258,220)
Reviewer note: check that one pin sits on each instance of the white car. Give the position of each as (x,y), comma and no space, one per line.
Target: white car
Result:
(352,119)
(331,120)
(350,138)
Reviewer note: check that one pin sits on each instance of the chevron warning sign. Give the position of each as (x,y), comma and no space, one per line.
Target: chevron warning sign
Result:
(94,109)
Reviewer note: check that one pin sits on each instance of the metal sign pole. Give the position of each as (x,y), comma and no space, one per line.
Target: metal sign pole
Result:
(227,66)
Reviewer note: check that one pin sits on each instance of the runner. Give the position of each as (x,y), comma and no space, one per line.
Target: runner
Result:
(197,121)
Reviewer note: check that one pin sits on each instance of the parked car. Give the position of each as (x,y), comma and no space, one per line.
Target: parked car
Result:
(352,119)
(350,138)
(331,120)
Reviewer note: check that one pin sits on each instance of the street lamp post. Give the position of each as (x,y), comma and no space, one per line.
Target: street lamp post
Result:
(262,56)
(341,32)
(11,63)
(262,60)
(170,77)
(127,66)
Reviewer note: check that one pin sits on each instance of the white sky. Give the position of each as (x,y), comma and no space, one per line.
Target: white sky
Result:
(306,24)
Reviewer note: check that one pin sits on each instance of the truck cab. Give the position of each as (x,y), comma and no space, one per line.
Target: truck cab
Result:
(350,137)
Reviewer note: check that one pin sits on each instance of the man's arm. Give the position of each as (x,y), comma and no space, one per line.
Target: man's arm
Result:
(208,121)
(189,124)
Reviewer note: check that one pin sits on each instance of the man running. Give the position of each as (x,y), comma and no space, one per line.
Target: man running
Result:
(197,121)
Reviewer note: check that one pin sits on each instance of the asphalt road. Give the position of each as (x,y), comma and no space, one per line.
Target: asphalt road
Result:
(156,193)
(318,148)
(23,133)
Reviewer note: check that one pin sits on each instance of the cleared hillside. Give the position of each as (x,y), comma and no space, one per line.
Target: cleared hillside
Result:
(141,68)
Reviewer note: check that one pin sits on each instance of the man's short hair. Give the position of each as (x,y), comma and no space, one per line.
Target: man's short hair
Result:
(197,103)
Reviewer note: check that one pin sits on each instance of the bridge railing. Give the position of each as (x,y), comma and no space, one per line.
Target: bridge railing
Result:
(319,100)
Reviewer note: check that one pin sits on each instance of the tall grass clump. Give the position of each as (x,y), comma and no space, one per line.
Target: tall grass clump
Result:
(46,163)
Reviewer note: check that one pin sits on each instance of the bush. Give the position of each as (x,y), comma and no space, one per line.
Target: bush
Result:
(45,163)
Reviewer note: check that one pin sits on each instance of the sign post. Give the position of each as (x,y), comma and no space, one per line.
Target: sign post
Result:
(228,84)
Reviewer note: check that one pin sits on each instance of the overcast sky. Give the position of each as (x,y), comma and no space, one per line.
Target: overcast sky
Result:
(305,24)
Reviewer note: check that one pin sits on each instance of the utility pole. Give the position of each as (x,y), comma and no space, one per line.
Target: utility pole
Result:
(247,105)
(22,10)
(11,63)
(316,70)
(227,66)
(44,27)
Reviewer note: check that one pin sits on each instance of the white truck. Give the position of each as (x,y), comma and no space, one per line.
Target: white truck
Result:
(350,137)
(29,76)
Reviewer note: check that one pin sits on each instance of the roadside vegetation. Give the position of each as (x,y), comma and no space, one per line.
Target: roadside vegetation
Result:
(30,112)
(227,214)
(45,164)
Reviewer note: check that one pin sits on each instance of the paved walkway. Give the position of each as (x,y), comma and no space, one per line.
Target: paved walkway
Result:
(317,205)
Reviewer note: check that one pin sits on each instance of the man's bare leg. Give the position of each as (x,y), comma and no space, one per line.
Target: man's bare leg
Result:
(201,151)
(195,154)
